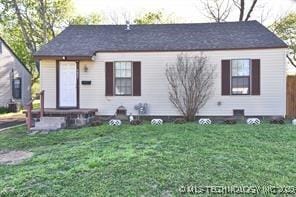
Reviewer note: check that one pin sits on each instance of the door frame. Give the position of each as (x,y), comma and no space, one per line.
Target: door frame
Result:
(58,85)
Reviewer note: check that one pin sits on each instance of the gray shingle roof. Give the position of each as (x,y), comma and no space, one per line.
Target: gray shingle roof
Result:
(85,40)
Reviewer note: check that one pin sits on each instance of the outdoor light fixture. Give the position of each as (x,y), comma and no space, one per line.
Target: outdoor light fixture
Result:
(85,68)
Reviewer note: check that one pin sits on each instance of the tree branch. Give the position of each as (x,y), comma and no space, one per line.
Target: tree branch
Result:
(242,10)
(291,61)
(251,10)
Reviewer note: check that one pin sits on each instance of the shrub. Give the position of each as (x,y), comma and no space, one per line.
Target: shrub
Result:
(96,123)
(190,84)
(230,121)
(277,120)
(180,121)
(3,110)
(136,122)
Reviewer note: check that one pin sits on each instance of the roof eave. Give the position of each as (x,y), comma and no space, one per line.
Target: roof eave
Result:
(14,54)
(61,57)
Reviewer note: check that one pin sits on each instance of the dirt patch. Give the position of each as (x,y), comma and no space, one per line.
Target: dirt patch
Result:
(14,157)
(12,119)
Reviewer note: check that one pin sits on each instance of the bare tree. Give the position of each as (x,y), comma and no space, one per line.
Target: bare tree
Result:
(240,4)
(217,10)
(190,84)
(120,18)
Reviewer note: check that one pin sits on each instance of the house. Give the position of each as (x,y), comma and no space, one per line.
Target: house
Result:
(106,66)
(15,78)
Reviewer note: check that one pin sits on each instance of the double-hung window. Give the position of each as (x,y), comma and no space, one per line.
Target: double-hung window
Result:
(240,76)
(17,88)
(123,78)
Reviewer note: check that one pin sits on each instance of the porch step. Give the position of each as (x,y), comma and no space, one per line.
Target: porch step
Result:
(49,124)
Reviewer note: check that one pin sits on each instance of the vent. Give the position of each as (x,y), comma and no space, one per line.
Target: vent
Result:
(128,26)
(238,113)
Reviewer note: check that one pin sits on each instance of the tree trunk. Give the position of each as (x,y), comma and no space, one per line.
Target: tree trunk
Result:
(242,10)
(251,10)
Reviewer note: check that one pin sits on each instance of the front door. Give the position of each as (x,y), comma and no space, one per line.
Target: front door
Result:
(68,84)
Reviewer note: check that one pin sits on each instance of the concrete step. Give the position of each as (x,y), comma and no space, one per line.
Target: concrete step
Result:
(49,124)
(55,119)
(45,128)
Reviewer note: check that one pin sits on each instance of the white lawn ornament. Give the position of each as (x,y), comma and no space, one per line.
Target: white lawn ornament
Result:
(294,122)
(204,121)
(156,121)
(131,118)
(115,122)
(253,121)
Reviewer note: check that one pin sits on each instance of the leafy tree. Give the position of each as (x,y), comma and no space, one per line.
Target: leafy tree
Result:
(154,18)
(28,24)
(285,28)
(91,19)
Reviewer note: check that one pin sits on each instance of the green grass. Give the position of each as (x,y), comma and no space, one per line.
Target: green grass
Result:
(148,160)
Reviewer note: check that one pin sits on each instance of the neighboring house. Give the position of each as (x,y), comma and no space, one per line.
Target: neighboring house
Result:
(107,66)
(15,78)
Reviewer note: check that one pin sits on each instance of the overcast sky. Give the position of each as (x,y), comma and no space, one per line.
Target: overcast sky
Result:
(183,10)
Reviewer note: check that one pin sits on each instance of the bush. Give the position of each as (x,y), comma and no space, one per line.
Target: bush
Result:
(277,120)
(3,110)
(136,122)
(230,121)
(180,121)
(96,123)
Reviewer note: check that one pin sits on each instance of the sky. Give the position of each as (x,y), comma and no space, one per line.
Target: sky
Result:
(182,10)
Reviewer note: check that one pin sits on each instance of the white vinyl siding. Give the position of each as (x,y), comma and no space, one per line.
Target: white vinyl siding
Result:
(48,82)
(271,101)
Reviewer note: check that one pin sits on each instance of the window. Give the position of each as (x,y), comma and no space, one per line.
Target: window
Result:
(17,88)
(240,77)
(123,78)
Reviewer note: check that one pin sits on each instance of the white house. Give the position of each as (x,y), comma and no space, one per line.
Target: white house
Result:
(106,66)
(15,78)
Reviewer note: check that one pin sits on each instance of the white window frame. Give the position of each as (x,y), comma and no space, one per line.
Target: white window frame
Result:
(114,78)
(249,77)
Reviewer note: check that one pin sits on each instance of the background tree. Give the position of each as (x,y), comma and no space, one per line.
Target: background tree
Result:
(244,12)
(217,10)
(28,24)
(285,28)
(152,18)
(190,84)
(220,10)
(91,19)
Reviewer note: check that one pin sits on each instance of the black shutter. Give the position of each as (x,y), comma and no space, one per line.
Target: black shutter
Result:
(255,77)
(109,79)
(136,78)
(225,72)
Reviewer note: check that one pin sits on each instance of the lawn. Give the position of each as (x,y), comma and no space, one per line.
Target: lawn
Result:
(148,160)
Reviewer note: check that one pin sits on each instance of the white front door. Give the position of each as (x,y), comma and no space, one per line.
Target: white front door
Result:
(68,84)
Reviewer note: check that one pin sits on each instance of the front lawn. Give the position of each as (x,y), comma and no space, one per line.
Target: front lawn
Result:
(148,160)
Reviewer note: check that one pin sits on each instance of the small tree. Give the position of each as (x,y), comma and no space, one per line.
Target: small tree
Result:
(190,84)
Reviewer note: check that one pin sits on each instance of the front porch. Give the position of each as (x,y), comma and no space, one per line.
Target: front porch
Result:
(64,112)
(55,118)
(62,118)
